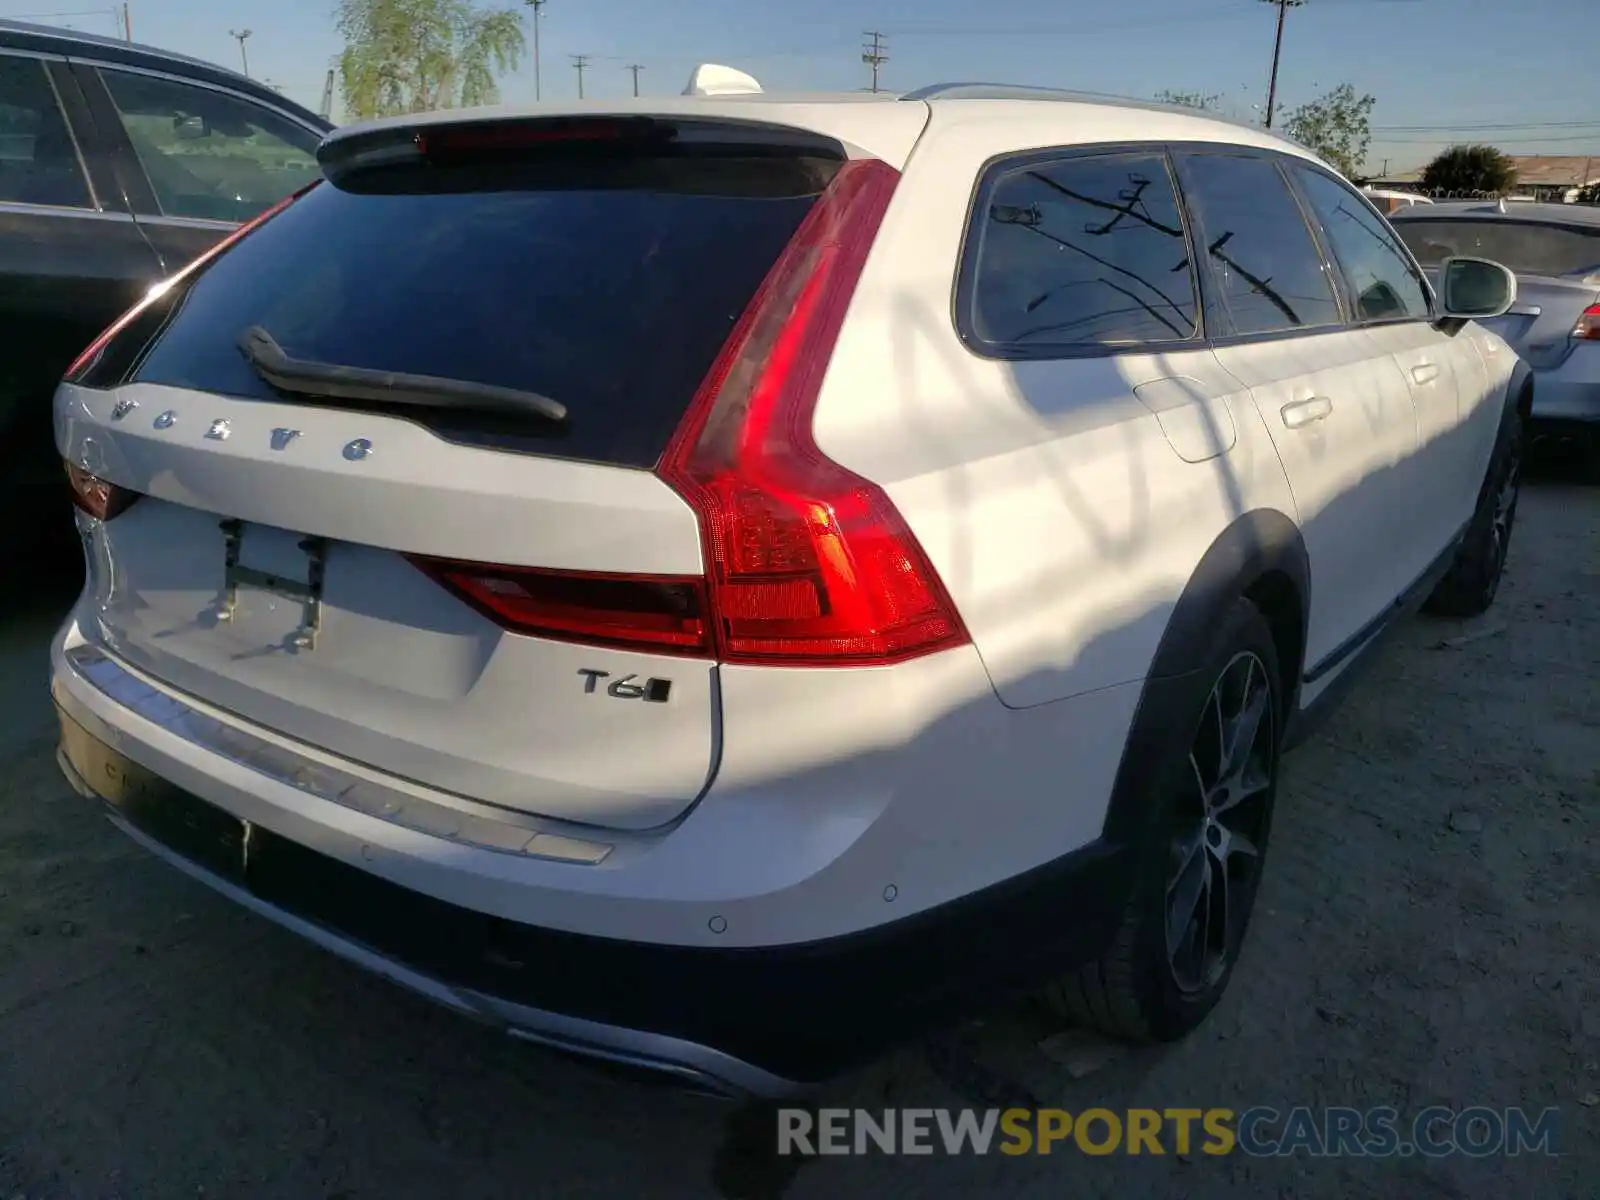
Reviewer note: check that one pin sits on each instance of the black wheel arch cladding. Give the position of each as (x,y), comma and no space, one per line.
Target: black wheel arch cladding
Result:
(1260,556)
(1519,390)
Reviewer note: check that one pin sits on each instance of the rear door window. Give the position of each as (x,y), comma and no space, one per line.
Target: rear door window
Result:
(1080,252)
(39,161)
(1384,283)
(207,154)
(609,290)
(1265,263)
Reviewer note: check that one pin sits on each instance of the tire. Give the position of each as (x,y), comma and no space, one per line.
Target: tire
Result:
(1142,989)
(1470,585)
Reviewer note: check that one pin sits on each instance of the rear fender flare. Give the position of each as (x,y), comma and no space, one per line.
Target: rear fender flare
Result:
(1519,389)
(1256,546)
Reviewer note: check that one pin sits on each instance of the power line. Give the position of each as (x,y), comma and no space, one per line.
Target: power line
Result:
(1485,128)
(875,53)
(580,63)
(1592,138)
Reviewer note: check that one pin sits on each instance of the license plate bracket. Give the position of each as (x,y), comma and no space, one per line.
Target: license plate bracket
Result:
(308,594)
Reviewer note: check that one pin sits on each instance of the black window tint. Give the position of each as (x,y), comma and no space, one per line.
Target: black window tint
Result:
(1520,245)
(1083,251)
(38,161)
(611,294)
(1266,265)
(1384,284)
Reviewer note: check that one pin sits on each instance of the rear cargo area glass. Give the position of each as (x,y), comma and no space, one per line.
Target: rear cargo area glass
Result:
(610,291)
(1521,245)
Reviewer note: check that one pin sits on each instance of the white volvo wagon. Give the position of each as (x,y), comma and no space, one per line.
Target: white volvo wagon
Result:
(726,582)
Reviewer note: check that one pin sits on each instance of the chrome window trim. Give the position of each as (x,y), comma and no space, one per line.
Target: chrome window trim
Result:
(61,210)
(189,222)
(22,52)
(77,150)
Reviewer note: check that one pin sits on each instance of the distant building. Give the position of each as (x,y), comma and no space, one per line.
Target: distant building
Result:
(1547,177)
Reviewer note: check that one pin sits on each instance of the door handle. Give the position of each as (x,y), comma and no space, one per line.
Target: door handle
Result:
(1425,372)
(1299,413)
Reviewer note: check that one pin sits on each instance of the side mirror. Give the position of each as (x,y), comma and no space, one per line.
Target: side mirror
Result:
(190,129)
(1473,288)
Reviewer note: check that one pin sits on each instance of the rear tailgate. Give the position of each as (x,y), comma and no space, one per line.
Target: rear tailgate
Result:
(577,273)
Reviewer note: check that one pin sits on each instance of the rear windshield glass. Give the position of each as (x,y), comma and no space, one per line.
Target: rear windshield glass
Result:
(1522,246)
(609,291)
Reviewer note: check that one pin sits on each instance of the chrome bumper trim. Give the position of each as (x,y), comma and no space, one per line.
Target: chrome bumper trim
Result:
(498,832)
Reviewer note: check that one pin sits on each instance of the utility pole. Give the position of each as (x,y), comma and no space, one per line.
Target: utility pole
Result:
(580,63)
(635,68)
(1277,48)
(127,25)
(538,10)
(326,111)
(244,58)
(875,53)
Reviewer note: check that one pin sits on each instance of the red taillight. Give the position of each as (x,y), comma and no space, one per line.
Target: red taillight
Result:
(664,613)
(808,563)
(1588,326)
(98,497)
(92,352)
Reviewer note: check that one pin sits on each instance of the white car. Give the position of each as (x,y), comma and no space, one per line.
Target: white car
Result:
(727,582)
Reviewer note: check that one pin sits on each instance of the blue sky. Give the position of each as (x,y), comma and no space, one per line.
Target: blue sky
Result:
(1442,70)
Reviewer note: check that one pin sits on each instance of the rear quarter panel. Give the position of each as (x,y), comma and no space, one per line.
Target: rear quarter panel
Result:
(1060,517)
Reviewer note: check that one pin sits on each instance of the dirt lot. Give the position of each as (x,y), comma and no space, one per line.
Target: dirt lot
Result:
(1429,933)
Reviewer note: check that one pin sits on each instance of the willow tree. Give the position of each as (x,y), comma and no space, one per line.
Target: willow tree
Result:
(404,56)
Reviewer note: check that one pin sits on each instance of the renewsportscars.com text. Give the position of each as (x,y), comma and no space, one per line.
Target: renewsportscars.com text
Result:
(1260,1131)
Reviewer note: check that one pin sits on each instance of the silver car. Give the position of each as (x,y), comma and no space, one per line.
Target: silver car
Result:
(1555,323)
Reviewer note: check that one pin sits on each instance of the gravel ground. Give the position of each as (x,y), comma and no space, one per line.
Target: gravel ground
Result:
(1427,934)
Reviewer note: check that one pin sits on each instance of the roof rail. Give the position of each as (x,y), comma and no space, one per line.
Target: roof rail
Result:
(1001,91)
(1008,91)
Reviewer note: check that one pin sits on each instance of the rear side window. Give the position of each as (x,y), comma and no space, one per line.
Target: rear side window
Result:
(1080,252)
(1384,284)
(609,289)
(1520,245)
(38,161)
(208,154)
(1266,265)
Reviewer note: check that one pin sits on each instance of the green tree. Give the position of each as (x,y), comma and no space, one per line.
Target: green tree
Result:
(1478,168)
(404,56)
(1337,126)
(1208,101)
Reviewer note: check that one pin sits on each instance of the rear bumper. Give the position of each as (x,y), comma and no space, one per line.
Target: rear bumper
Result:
(1565,396)
(760,1020)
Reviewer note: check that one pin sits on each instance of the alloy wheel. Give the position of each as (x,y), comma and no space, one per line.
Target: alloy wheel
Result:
(1220,824)
(1505,509)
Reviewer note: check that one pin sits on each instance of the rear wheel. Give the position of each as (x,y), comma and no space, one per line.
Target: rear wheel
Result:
(1470,586)
(1201,864)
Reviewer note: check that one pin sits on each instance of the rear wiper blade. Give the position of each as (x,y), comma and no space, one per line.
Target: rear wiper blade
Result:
(310,378)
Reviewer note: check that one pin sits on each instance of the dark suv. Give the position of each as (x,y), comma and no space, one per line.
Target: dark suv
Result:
(118,164)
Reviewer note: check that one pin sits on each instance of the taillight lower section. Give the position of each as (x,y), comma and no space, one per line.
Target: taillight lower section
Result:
(807,563)
(661,613)
(98,497)
(1588,326)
